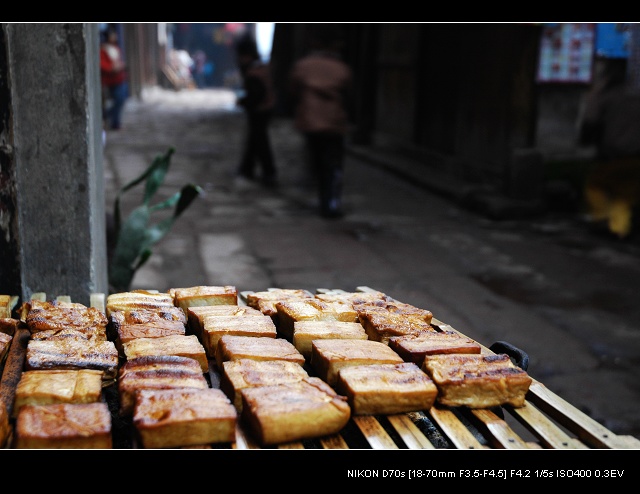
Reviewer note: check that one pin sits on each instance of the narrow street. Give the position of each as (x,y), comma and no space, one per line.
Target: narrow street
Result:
(552,287)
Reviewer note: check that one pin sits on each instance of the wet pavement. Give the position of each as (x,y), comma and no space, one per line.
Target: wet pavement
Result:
(550,285)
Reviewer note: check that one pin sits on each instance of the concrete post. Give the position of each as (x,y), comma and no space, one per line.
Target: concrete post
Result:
(55,93)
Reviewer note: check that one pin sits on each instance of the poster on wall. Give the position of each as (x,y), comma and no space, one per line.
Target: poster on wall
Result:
(566,53)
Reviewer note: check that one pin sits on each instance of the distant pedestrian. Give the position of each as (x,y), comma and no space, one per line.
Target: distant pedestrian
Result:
(321,84)
(258,101)
(611,123)
(113,75)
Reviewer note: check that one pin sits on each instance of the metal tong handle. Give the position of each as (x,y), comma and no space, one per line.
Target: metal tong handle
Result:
(520,358)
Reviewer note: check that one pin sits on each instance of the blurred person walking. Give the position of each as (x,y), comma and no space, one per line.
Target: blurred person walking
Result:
(113,75)
(611,122)
(321,83)
(258,101)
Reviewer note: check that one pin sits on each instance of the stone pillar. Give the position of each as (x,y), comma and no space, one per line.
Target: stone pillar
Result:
(56,161)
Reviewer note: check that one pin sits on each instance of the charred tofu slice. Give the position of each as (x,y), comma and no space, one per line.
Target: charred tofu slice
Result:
(477,381)
(386,389)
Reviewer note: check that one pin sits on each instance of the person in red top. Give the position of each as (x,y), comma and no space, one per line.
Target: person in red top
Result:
(321,84)
(113,76)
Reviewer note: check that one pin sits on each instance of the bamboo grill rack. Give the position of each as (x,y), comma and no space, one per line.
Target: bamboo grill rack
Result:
(547,421)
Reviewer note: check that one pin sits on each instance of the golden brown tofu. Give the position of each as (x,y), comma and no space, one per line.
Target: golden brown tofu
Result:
(72,352)
(5,344)
(171,418)
(46,387)
(64,426)
(414,348)
(381,325)
(352,297)
(138,299)
(265,301)
(196,315)
(293,411)
(232,347)
(204,295)
(244,373)
(157,372)
(6,306)
(181,345)
(56,315)
(304,332)
(163,317)
(146,323)
(386,389)
(215,327)
(477,381)
(290,311)
(328,357)
(9,325)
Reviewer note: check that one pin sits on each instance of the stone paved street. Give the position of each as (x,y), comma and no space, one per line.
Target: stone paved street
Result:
(550,286)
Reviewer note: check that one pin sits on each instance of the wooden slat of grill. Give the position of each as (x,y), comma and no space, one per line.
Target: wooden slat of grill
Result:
(456,431)
(376,435)
(587,429)
(549,434)
(498,431)
(410,434)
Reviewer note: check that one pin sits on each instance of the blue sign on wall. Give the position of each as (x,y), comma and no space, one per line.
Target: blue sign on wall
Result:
(612,40)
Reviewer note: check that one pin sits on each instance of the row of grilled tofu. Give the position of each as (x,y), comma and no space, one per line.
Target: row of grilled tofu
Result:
(292,365)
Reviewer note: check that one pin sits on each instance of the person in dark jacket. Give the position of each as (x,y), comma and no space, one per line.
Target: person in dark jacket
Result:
(321,85)
(258,101)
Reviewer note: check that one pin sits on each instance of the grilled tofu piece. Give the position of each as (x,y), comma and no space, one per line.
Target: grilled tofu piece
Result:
(146,323)
(138,299)
(244,373)
(215,327)
(66,350)
(56,316)
(9,325)
(197,314)
(290,311)
(5,344)
(265,301)
(477,381)
(381,325)
(328,357)
(64,426)
(395,307)
(353,297)
(232,347)
(304,332)
(386,389)
(171,418)
(46,387)
(414,348)
(181,345)
(293,411)
(196,296)
(6,306)
(157,372)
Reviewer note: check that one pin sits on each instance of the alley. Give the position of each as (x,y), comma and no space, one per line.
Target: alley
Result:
(549,286)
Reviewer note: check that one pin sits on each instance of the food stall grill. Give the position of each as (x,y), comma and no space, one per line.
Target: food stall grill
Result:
(547,421)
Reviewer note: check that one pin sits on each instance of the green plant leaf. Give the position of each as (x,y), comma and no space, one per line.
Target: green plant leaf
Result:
(154,175)
(135,237)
